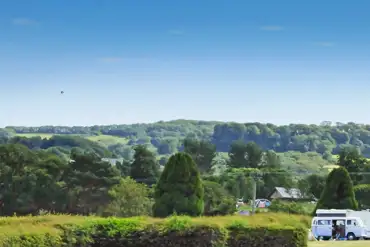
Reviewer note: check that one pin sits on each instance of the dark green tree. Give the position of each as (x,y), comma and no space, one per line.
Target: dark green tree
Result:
(217,201)
(88,180)
(338,192)
(179,189)
(144,168)
(351,159)
(202,153)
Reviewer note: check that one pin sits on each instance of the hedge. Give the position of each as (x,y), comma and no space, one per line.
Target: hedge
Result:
(176,231)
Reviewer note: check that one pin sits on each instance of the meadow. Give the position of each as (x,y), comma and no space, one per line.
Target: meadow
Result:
(106,140)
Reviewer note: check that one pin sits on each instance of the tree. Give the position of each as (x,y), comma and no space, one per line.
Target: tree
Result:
(128,199)
(202,153)
(124,167)
(88,180)
(272,160)
(351,159)
(316,184)
(338,192)
(144,168)
(17,179)
(247,155)
(179,189)
(237,154)
(217,201)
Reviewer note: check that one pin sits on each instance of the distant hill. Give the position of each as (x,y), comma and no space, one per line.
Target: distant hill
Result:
(315,142)
(166,136)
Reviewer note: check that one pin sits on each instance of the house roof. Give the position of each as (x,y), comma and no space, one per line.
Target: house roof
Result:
(291,193)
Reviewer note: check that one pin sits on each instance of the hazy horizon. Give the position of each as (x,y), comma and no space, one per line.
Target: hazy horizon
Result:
(126,62)
(171,120)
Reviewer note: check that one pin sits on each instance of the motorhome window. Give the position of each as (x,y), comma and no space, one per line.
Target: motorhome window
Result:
(349,222)
(324,222)
(340,222)
(331,215)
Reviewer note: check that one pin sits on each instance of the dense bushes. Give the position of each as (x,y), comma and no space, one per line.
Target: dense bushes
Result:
(291,207)
(263,230)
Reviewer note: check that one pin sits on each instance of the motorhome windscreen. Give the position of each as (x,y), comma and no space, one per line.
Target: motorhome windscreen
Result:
(330,215)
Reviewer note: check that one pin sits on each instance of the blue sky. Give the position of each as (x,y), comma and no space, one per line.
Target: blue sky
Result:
(144,61)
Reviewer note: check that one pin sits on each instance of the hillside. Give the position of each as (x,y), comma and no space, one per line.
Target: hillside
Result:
(307,147)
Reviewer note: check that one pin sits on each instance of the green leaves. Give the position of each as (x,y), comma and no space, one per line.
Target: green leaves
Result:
(179,188)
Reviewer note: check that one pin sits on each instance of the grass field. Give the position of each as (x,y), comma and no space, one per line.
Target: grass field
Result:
(108,140)
(103,139)
(29,135)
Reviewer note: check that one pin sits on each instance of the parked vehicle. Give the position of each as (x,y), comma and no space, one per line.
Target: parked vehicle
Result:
(341,224)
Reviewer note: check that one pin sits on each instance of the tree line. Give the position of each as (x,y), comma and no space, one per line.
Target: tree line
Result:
(34,180)
(167,137)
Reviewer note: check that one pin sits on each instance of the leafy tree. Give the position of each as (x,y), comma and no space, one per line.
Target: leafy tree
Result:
(128,199)
(17,180)
(145,167)
(351,159)
(255,155)
(271,160)
(202,153)
(180,188)
(124,167)
(338,192)
(217,201)
(316,184)
(88,180)
(237,154)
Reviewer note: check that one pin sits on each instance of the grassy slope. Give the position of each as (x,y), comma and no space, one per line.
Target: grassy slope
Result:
(103,139)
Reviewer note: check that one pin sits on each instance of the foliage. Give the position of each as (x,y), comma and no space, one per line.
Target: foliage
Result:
(274,230)
(145,167)
(180,188)
(353,162)
(362,195)
(217,201)
(291,207)
(38,180)
(326,138)
(202,152)
(128,199)
(313,184)
(338,192)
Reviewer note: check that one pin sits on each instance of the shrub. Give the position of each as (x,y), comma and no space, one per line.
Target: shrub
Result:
(179,189)
(217,201)
(31,240)
(291,207)
(242,235)
(275,230)
(338,192)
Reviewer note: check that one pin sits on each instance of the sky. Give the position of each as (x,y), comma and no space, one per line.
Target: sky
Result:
(139,61)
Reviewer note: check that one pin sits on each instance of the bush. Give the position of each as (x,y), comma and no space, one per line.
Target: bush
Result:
(338,192)
(179,189)
(174,231)
(272,236)
(291,207)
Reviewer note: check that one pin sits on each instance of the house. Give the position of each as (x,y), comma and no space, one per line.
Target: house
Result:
(291,194)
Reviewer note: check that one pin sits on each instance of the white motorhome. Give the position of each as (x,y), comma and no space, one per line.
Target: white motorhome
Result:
(348,224)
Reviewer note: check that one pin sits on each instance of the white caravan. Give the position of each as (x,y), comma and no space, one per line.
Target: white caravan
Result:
(350,224)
